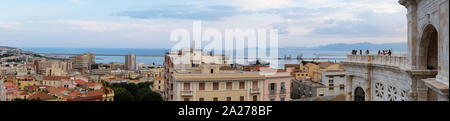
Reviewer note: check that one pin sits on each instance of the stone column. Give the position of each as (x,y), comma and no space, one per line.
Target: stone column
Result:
(348,87)
(412,30)
(443,43)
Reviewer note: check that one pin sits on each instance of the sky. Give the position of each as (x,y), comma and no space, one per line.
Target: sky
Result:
(148,23)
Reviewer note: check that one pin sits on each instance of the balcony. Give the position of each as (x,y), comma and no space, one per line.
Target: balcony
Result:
(255,90)
(186,93)
(272,92)
(282,91)
(395,60)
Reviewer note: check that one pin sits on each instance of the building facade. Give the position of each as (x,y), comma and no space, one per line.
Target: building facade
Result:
(130,62)
(212,84)
(185,59)
(421,75)
(334,80)
(277,84)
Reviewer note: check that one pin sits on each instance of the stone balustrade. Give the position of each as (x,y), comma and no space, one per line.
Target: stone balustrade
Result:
(395,60)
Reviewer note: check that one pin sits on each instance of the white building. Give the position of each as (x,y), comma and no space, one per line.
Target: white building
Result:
(334,81)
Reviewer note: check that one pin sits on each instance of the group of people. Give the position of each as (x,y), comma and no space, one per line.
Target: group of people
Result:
(355,52)
(385,52)
(380,52)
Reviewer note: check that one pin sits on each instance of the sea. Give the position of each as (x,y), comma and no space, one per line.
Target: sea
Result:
(156,56)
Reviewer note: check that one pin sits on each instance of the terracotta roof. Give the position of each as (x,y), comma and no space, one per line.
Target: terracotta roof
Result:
(31,87)
(42,96)
(24,93)
(26,77)
(91,84)
(9,85)
(80,81)
(94,93)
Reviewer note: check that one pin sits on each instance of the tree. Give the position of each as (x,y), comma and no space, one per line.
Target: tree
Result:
(144,85)
(145,94)
(132,88)
(122,94)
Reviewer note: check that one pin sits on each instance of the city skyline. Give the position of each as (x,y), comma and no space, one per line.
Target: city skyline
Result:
(122,24)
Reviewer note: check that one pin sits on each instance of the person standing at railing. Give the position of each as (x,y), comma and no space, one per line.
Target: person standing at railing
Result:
(367,52)
(389,52)
(379,52)
(360,52)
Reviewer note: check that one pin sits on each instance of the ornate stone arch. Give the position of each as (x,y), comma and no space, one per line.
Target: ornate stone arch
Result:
(360,94)
(427,48)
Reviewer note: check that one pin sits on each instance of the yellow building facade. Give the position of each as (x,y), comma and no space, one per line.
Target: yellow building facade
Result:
(211,84)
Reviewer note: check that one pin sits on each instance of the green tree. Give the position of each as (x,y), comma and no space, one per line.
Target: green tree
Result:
(145,94)
(122,94)
(144,85)
(132,88)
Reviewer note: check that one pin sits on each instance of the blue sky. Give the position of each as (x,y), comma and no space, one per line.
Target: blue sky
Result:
(148,23)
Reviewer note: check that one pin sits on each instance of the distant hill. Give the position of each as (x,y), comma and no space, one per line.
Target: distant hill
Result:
(402,46)
(7,47)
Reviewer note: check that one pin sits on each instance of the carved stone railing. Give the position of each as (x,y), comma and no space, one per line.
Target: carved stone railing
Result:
(186,93)
(396,60)
(255,90)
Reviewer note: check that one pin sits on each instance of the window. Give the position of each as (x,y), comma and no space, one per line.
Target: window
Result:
(215,99)
(255,84)
(229,85)
(212,71)
(241,85)
(282,88)
(272,99)
(216,86)
(255,98)
(187,86)
(242,98)
(201,99)
(228,98)
(282,99)
(282,85)
(201,86)
(331,81)
(186,99)
(331,85)
(341,86)
(272,88)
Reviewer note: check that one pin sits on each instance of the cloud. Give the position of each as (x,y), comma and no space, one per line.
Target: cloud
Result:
(372,24)
(257,5)
(11,25)
(105,26)
(75,1)
(300,22)
(195,12)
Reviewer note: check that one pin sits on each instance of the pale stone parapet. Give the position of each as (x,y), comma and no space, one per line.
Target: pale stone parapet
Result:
(399,61)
